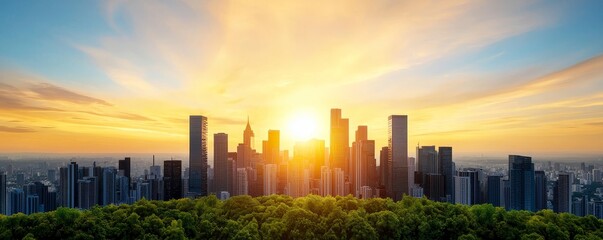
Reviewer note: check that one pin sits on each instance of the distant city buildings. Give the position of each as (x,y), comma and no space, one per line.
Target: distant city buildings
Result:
(312,167)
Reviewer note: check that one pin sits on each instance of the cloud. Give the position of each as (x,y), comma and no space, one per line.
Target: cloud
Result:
(15,129)
(27,91)
(48,91)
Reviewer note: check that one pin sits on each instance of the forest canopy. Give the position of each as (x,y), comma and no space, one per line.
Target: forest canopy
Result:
(311,217)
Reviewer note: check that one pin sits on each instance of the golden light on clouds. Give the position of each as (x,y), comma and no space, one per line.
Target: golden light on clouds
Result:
(275,60)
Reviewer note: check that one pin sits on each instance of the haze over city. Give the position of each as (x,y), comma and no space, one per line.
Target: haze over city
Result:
(122,77)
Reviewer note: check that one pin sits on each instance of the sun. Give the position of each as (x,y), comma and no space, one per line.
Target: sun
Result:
(302,126)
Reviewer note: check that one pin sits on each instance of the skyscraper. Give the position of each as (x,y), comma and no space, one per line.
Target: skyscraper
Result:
(447,169)
(463,190)
(172,179)
(494,191)
(221,179)
(540,190)
(198,155)
(125,165)
(72,187)
(108,193)
(248,136)
(384,168)
(242,186)
(521,179)
(272,152)
(269,179)
(474,182)
(3,193)
(17,201)
(562,194)
(398,156)
(340,143)
(428,161)
(363,162)
(326,181)
(87,192)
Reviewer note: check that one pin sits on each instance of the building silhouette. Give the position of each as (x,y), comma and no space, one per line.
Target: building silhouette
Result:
(447,169)
(3,193)
(562,194)
(521,180)
(221,177)
(197,155)
(540,190)
(363,163)
(172,179)
(125,166)
(340,142)
(401,178)
(494,190)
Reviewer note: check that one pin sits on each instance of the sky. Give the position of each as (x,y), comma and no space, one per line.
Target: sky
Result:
(485,77)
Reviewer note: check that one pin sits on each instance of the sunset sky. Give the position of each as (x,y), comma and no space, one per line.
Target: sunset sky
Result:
(521,77)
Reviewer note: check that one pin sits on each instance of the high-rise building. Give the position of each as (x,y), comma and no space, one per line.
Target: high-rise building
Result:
(32,204)
(231,170)
(155,170)
(87,192)
(475,184)
(242,186)
(221,178)
(248,136)
(108,183)
(562,193)
(434,187)
(3,193)
(40,190)
(172,179)
(338,182)
(363,164)
(97,172)
(463,189)
(384,168)
(447,169)
(326,181)
(521,179)
(272,151)
(16,201)
(72,186)
(125,166)
(428,161)
(198,155)
(540,190)
(269,179)
(340,142)
(598,209)
(282,169)
(398,156)
(494,190)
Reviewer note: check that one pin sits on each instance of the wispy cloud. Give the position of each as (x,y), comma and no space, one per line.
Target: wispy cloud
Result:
(16,129)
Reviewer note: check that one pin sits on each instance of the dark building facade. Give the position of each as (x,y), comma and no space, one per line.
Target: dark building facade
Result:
(172,179)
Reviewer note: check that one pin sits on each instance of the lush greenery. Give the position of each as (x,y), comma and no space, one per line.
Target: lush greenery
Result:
(312,217)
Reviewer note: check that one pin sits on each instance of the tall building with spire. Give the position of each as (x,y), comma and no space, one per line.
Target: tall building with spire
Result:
(248,135)
(198,155)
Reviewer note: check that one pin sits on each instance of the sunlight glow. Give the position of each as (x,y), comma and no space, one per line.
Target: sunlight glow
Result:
(302,126)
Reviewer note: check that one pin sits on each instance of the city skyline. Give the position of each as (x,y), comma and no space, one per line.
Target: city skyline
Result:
(111,77)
